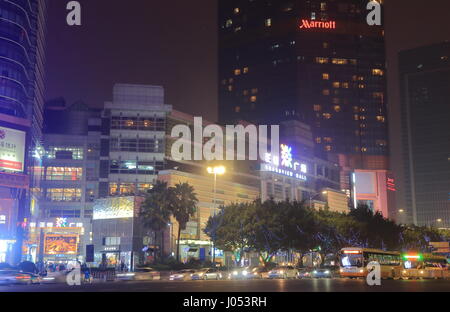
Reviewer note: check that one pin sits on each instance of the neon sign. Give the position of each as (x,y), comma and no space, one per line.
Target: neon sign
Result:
(285,164)
(315,24)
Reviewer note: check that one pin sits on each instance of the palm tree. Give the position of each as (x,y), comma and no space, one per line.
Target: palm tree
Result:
(156,210)
(184,206)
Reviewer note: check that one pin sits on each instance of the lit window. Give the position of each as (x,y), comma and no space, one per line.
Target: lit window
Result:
(364,149)
(336,84)
(317,108)
(328,140)
(325,45)
(229,23)
(255,91)
(237,10)
(327,115)
(377,72)
(337,108)
(237,72)
(328,148)
(381,118)
(345,85)
(237,109)
(64,174)
(245,70)
(362,86)
(336,101)
(325,76)
(230,88)
(268,22)
(326,92)
(378,95)
(318,140)
(253,99)
(338,61)
(245,92)
(321,60)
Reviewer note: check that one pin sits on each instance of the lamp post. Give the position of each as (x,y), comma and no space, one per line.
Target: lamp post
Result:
(220,170)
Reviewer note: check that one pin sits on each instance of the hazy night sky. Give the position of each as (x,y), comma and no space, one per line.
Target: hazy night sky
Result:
(174,44)
(168,43)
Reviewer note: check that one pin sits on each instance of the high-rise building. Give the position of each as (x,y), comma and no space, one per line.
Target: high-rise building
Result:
(317,61)
(133,136)
(22,29)
(425,96)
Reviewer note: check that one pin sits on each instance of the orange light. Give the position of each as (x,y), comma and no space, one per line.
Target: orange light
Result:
(352,252)
(412,257)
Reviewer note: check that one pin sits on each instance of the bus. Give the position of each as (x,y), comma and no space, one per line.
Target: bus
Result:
(353,262)
(423,266)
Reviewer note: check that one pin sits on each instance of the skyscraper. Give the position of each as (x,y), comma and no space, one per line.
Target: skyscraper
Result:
(317,61)
(425,96)
(21,109)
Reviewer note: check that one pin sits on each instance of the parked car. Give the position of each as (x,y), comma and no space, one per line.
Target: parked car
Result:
(321,273)
(256,273)
(283,272)
(15,277)
(183,275)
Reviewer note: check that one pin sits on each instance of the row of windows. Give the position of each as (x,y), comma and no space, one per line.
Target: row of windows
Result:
(74,153)
(64,174)
(64,194)
(138,123)
(137,145)
(128,188)
(135,167)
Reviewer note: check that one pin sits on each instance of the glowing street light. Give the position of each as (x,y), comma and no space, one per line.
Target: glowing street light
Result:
(219,170)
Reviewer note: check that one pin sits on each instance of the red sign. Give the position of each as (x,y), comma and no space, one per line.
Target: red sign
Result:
(316,24)
(391,185)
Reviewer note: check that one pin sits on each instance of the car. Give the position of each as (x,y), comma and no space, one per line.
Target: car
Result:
(304,273)
(198,274)
(139,274)
(183,275)
(283,272)
(321,273)
(258,273)
(207,274)
(238,273)
(15,277)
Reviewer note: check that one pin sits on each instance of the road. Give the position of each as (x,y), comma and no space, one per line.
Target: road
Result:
(321,285)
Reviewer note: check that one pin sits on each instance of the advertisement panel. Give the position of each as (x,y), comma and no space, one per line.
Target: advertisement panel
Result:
(60,244)
(114,208)
(12,149)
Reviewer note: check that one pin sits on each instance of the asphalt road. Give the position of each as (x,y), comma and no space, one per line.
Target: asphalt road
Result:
(321,285)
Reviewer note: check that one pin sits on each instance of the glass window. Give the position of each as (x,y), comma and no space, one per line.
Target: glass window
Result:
(64,194)
(64,174)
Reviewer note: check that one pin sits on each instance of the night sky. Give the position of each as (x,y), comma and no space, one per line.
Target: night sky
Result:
(174,44)
(168,43)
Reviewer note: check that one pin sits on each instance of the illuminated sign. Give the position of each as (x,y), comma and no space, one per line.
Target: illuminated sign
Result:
(316,24)
(285,165)
(391,185)
(61,222)
(58,244)
(12,149)
(114,208)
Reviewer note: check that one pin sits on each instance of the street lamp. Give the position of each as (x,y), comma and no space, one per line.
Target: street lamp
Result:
(219,170)
(312,196)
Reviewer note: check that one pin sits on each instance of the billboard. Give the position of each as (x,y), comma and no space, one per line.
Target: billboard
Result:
(114,208)
(61,244)
(12,149)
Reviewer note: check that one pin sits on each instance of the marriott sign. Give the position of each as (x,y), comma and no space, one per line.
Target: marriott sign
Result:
(316,24)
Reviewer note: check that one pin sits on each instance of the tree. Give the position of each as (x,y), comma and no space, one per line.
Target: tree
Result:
(230,228)
(156,211)
(183,206)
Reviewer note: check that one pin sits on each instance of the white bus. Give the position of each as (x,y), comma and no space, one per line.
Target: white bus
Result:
(353,262)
